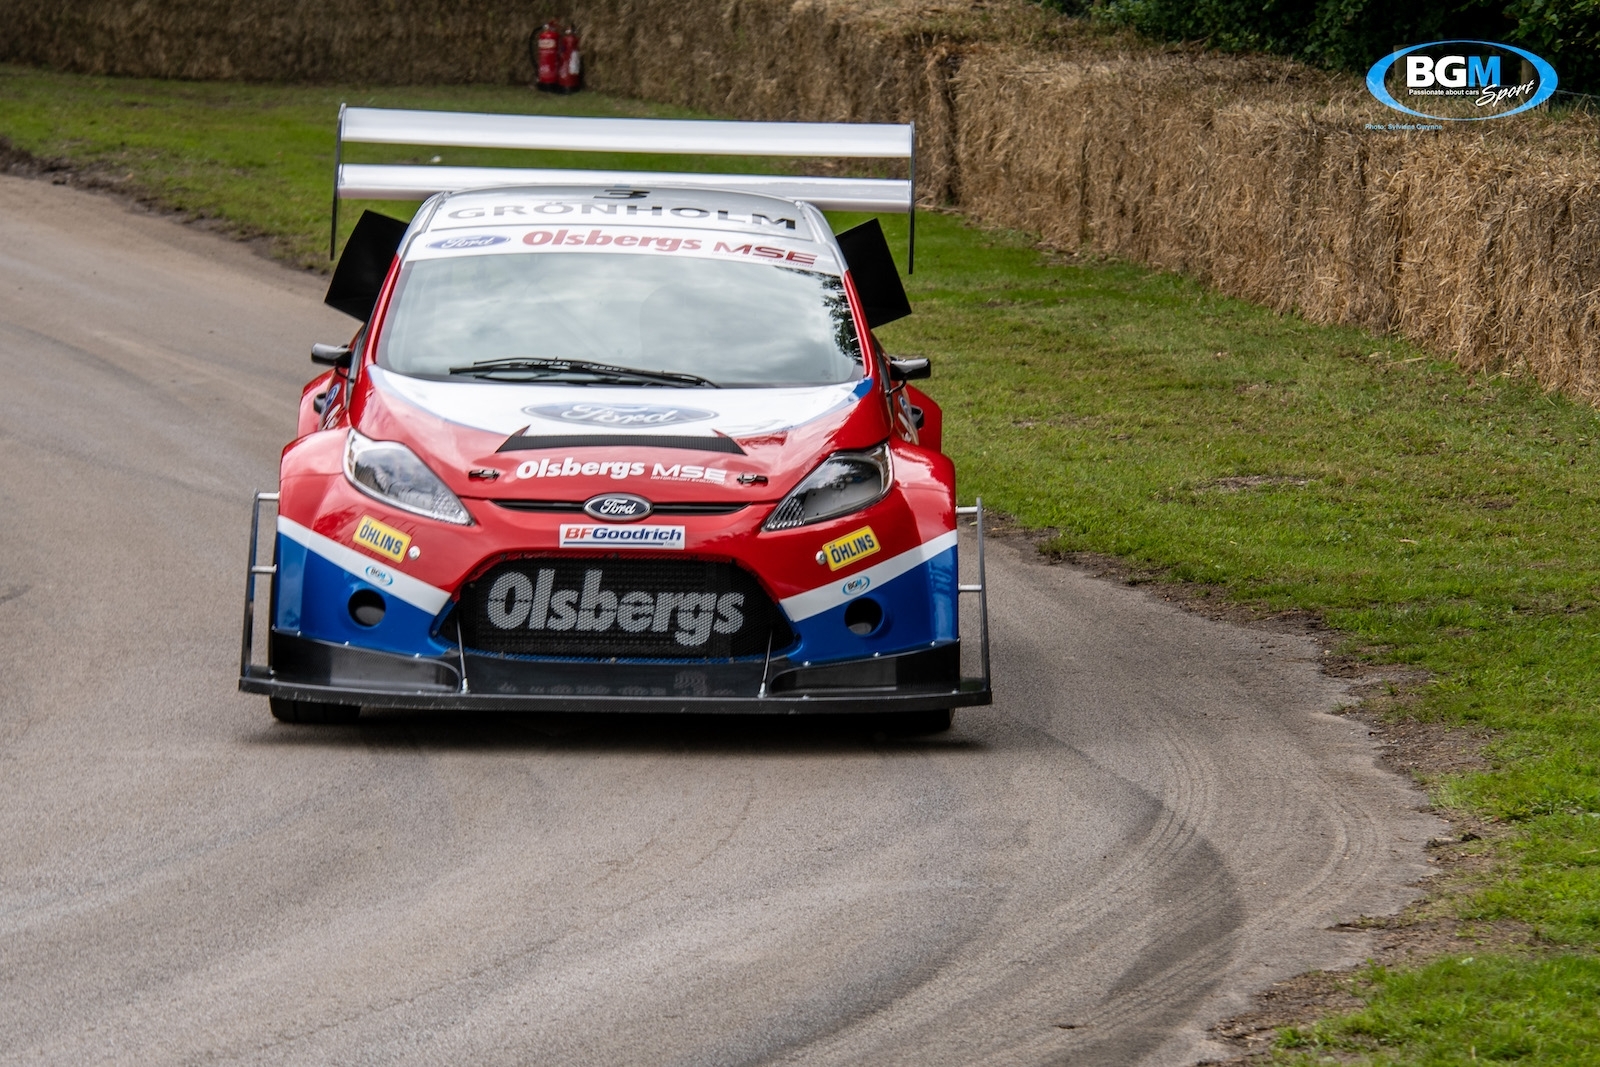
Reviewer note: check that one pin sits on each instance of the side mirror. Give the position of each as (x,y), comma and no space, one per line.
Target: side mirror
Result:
(331,355)
(909,369)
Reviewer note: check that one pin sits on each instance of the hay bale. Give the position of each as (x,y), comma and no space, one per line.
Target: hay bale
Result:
(1259,177)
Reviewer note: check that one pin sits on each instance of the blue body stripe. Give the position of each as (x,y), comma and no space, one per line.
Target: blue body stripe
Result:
(919,608)
(314,600)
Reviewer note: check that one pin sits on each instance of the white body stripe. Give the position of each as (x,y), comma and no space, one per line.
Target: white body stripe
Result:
(815,601)
(503,408)
(413,591)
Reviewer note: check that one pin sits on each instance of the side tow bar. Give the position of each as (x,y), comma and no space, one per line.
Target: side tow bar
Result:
(254,570)
(981,588)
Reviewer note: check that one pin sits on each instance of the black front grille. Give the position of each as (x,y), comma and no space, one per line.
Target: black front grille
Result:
(618,607)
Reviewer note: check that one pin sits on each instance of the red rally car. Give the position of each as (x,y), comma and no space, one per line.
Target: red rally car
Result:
(614,448)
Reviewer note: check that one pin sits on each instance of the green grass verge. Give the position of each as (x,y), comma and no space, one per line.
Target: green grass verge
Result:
(1465,1009)
(1437,520)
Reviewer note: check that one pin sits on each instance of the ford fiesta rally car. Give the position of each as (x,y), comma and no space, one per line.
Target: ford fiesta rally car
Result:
(614,448)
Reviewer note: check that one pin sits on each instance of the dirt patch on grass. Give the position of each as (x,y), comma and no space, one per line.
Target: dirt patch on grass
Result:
(1252,481)
(1295,1001)
(23,164)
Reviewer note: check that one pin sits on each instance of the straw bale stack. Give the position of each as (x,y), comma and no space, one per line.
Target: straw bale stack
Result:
(1262,178)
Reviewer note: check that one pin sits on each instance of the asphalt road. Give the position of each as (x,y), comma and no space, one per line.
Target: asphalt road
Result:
(1157,816)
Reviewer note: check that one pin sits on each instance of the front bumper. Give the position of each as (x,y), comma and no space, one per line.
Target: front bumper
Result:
(306,669)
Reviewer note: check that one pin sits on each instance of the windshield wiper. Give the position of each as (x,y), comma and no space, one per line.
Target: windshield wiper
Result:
(599,371)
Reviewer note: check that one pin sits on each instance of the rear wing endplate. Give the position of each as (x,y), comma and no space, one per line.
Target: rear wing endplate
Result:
(455,129)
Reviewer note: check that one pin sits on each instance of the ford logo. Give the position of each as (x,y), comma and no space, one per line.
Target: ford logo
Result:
(617,507)
(479,241)
(625,416)
(858,584)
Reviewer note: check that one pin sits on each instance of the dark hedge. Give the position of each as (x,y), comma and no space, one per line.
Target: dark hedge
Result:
(1352,34)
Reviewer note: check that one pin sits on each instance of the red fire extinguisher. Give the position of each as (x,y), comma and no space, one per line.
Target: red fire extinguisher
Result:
(547,57)
(571,62)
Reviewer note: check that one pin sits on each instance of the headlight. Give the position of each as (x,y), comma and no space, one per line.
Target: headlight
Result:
(392,473)
(845,482)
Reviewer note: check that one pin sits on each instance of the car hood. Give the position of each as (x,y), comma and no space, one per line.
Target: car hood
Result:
(565,442)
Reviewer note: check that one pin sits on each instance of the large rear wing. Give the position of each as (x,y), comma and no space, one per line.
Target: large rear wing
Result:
(454,129)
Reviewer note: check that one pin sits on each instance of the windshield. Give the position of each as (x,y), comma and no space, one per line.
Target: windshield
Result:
(725,324)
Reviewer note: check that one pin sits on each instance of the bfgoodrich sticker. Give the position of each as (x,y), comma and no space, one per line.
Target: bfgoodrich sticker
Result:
(576,535)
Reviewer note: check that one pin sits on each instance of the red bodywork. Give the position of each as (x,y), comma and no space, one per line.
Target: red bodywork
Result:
(315,493)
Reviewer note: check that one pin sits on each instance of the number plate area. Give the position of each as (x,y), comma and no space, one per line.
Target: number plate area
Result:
(608,608)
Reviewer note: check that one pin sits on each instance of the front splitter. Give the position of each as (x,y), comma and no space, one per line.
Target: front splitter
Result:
(310,670)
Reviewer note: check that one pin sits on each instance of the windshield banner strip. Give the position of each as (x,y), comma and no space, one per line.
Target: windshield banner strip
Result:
(520,443)
(607,238)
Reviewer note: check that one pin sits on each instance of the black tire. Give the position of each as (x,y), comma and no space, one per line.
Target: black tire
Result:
(312,712)
(920,723)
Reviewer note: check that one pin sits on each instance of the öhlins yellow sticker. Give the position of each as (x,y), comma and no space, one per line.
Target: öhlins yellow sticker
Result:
(858,544)
(386,541)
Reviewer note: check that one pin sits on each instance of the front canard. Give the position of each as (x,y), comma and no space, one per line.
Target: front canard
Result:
(855,545)
(386,541)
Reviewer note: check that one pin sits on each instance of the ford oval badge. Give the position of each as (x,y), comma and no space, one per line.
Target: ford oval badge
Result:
(620,416)
(617,507)
(488,240)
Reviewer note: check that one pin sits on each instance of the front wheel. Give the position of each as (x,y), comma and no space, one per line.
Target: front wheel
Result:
(311,712)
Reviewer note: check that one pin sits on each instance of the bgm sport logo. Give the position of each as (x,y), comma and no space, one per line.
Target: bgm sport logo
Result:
(1462,81)
(625,416)
(517,602)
